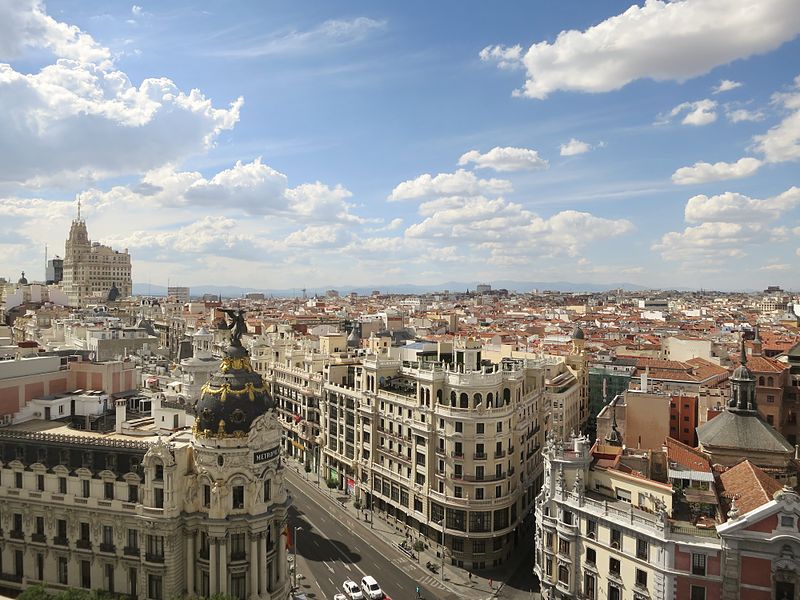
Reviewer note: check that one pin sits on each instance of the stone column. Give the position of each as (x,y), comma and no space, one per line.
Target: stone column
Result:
(212,566)
(280,559)
(191,558)
(254,568)
(262,566)
(223,566)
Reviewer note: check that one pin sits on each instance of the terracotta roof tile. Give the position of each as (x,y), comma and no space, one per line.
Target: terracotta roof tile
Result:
(751,486)
(687,456)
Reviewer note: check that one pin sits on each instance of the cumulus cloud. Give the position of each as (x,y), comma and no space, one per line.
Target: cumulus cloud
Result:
(703,172)
(741,114)
(502,226)
(659,40)
(573,147)
(252,188)
(460,183)
(24,24)
(738,208)
(782,142)
(505,159)
(726,85)
(82,119)
(716,241)
(505,57)
(700,112)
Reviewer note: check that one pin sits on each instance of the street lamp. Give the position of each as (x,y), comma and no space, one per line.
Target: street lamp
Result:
(294,553)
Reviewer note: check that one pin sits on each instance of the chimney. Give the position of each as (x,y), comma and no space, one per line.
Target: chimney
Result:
(644,376)
(121,413)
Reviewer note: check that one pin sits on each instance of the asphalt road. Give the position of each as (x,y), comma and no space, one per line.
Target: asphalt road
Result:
(332,546)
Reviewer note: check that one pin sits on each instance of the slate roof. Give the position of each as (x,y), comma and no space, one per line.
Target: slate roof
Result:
(745,431)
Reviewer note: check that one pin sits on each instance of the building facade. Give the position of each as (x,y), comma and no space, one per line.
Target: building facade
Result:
(201,511)
(91,269)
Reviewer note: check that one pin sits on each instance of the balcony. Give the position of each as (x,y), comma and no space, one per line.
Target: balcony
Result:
(154,558)
(455,454)
(499,453)
(16,534)
(107,548)
(83,545)
(39,537)
(60,541)
(130,551)
(479,456)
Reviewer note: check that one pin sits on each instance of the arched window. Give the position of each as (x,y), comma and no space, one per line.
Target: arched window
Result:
(489,400)
(476,400)
(452,398)
(463,400)
(770,381)
(761,380)
(439,396)
(506,395)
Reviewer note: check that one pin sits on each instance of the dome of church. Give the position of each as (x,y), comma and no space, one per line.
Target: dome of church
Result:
(22,280)
(577,333)
(232,399)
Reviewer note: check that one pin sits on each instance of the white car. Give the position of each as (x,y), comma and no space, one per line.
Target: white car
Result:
(371,588)
(352,590)
(339,597)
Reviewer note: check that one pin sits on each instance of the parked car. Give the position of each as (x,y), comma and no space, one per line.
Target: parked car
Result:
(352,590)
(339,597)
(371,588)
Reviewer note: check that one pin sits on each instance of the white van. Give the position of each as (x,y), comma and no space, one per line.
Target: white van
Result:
(371,588)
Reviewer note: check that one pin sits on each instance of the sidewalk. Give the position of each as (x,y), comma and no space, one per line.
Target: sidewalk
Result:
(457,581)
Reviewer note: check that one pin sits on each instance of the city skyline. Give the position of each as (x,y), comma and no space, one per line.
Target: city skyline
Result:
(654,144)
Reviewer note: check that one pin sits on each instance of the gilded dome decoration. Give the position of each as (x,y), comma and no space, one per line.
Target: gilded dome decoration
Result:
(234,396)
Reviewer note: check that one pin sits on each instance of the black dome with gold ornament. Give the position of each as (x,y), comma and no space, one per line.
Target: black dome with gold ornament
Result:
(234,396)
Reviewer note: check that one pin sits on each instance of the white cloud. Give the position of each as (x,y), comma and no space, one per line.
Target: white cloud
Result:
(700,112)
(318,236)
(737,208)
(136,10)
(81,119)
(703,172)
(252,188)
(782,142)
(506,57)
(505,159)
(715,241)
(330,34)
(742,114)
(573,147)
(24,24)
(776,267)
(460,183)
(726,85)
(506,227)
(659,40)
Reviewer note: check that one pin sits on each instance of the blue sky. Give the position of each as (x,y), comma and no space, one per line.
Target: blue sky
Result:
(290,144)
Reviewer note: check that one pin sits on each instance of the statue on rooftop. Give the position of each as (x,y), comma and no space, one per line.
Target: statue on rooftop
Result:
(236,325)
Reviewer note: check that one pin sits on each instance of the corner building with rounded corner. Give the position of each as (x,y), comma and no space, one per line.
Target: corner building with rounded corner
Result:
(131,512)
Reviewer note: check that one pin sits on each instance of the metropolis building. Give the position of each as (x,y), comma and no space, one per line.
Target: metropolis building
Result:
(125,510)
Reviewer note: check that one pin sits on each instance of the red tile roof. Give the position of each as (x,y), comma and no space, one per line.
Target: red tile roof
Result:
(686,456)
(751,486)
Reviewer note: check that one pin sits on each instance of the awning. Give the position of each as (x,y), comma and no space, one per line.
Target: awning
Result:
(691,475)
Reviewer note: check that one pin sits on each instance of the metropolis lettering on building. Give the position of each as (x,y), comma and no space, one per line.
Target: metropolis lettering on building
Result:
(265,455)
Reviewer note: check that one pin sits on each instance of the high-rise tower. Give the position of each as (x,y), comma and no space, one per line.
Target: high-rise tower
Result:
(91,269)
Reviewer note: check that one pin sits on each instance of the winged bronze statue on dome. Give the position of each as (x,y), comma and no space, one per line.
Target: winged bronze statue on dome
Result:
(236,324)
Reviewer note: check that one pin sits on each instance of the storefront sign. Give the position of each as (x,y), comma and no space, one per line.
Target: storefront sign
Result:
(265,455)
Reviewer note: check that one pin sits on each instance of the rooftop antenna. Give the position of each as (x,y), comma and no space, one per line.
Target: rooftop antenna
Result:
(79,208)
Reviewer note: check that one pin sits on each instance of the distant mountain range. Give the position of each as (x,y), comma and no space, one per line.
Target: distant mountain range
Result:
(232,291)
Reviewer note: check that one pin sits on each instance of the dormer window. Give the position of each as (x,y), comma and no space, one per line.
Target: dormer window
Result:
(787,521)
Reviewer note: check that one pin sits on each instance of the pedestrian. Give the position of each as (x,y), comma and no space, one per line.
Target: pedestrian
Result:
(470,576)
(490,584)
